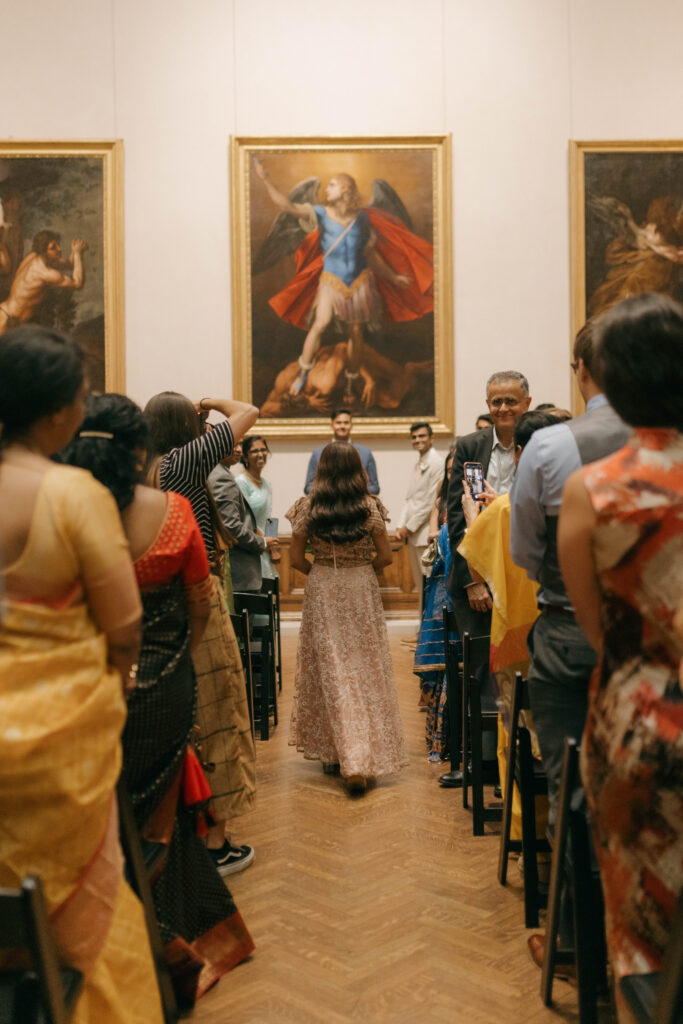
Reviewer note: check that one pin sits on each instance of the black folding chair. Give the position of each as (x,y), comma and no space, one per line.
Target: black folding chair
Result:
(242,628)
(528,773)
(453,687)
(272,586)
(589,955)
(138,873)
(261,614)
(475,653)
(44,993)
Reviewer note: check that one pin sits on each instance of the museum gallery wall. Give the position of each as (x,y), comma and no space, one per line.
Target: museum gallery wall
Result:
(175,82)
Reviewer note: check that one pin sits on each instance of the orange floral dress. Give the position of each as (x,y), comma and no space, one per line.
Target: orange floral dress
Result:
(632,751)
(345,704)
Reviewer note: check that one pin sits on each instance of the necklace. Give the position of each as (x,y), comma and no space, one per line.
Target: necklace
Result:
(257,480)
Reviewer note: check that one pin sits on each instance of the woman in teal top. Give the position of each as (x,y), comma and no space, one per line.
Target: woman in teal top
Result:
(257,490)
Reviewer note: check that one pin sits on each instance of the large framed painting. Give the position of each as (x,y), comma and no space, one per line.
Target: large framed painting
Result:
(61,246)
(342,282)
(627,223)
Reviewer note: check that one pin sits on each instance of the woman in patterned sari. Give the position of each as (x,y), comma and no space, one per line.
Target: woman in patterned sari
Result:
(68,637)
(430,653)
(203,932)
(184,458)
(621,552)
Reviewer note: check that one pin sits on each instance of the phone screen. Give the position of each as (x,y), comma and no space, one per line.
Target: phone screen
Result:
(474,474)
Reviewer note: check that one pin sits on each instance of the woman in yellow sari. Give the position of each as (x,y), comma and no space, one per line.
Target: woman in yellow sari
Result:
(69,634)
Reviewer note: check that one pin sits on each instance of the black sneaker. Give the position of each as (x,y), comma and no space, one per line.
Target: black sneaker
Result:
(231,859)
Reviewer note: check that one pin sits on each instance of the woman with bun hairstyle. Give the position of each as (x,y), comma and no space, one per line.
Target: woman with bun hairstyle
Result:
(204,934)
(345,711)
(69,638)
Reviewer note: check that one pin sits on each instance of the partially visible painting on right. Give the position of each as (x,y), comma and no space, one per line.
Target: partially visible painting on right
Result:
(627,211)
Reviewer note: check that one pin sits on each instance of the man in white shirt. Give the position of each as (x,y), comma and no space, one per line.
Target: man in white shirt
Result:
(413,523)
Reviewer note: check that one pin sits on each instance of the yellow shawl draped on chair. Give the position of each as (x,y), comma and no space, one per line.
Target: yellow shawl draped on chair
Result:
(486,547)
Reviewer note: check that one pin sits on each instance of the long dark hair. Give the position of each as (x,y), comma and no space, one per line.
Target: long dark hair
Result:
(172,421)
(443,490)
(112,460)
(339,509)
(41,372)
(639,360)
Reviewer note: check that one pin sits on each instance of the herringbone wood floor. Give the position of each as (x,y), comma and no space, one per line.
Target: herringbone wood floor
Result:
(380,909)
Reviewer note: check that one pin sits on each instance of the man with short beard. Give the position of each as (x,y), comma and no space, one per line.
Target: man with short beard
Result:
(37,273)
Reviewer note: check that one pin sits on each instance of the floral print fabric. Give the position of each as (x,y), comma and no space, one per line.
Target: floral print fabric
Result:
(632,752)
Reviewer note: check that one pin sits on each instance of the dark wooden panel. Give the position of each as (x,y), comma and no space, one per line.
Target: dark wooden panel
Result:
(399,596)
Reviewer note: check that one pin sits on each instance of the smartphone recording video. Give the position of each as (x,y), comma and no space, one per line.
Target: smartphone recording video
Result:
(474,474)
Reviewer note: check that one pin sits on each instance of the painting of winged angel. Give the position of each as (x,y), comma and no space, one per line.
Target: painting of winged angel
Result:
(357,266)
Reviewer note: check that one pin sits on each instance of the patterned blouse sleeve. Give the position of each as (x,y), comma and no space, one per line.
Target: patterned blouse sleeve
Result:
(195,566)
(379,516)
(298,516)
(194,461)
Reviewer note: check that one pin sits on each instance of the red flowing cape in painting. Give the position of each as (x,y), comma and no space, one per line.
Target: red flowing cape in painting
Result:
(400,249)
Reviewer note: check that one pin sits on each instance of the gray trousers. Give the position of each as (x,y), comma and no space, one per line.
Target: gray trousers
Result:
(562,662)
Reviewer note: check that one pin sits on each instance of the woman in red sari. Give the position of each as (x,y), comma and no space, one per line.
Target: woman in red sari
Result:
(204,933)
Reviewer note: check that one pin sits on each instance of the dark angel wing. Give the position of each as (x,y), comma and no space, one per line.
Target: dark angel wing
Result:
(286,233)
(385,198)
(615,215)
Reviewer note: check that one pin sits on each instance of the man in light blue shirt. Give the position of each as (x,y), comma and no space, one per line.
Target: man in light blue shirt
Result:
(562,660)
(342,424)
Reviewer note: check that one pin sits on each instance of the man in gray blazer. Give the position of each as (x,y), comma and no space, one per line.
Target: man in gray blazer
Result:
(238,519)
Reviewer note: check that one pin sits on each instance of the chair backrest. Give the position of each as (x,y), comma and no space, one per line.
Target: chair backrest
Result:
(450,626)
(475,652)
(520,702)
(255,604)
(242,627)
(25,926)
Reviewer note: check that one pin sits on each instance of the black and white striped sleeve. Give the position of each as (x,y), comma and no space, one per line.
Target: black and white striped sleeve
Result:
(194,461)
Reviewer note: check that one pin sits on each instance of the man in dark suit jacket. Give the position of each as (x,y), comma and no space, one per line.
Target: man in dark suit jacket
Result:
(239,521)
(507,396)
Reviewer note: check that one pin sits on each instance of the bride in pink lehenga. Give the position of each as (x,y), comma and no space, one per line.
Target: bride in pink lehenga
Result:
(345,710)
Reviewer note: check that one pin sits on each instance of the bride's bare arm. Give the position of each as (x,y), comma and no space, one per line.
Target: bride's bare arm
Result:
(384,556)
(297,555)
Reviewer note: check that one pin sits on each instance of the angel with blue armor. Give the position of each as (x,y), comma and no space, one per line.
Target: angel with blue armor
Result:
(358,265)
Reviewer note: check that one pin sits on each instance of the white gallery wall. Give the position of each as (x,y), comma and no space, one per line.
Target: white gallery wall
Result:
(512,80)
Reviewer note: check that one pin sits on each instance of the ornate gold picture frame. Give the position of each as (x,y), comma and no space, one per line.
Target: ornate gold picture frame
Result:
(627,223)
(342,282)
(61,246)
